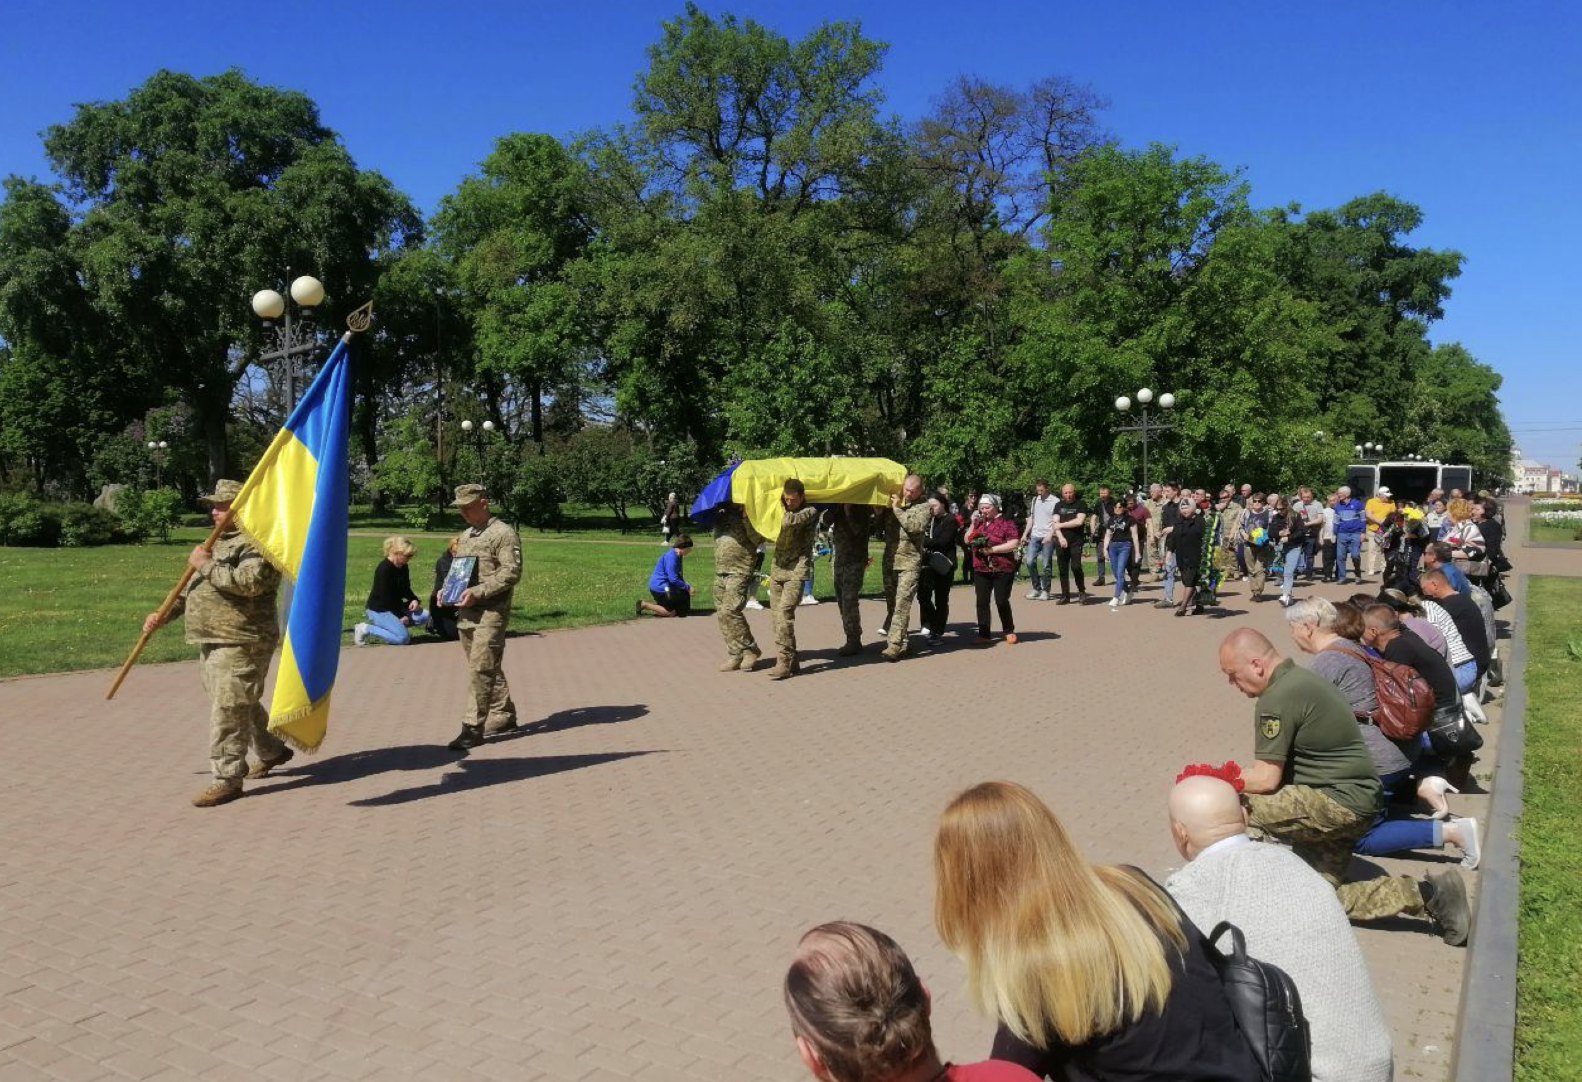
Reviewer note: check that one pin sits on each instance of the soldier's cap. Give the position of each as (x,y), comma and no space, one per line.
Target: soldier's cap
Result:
(466,495)
(225,490)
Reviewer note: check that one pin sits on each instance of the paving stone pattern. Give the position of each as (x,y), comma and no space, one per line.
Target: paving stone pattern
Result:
(611,893)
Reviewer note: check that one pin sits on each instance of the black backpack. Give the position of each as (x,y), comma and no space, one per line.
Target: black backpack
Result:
(1267,1008)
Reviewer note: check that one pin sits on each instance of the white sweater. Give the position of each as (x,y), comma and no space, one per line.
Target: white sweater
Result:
(1292,919)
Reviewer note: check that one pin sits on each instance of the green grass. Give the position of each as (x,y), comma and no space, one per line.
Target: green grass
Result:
(1552,531)
(69,609)
(1549,974)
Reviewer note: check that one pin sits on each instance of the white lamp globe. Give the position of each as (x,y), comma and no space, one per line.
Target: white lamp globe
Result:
(466,426)
(1167,400)
(1145,396)
(1123,403)
(1319,434)
(163,445)
(1358,448)
(152,445)
(307,291)
(488,426)
(267,304)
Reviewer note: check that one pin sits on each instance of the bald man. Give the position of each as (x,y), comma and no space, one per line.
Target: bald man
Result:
(1291,919)
(1312,785)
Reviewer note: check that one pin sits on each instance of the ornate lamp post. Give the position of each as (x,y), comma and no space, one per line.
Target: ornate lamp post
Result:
(292,340)
(1370,451)
(1145,425)
(156,451)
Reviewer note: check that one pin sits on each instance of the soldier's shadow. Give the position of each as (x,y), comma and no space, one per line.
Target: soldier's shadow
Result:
(574,718)
(478,773)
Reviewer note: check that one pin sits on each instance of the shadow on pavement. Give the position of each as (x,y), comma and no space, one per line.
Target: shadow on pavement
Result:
(479,773)
(574,718)
(360,764)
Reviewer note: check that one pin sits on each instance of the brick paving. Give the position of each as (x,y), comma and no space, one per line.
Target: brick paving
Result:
(610,894)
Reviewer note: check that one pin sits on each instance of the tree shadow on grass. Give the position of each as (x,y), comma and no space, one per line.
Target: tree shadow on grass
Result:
(479,773)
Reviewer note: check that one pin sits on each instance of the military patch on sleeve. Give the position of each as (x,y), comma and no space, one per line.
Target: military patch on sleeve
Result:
(1269,725)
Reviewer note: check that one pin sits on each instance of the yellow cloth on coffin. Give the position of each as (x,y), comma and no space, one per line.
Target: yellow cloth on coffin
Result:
(757,484)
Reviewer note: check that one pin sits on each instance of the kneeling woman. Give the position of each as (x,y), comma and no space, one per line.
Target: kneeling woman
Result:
(393,609)
(1090,971)
(672,595)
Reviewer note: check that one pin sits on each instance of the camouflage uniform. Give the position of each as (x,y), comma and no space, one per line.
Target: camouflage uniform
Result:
(1155,552)
(903,555)
(851,526)
(793,559)
(488,705)
(231,618)
(735,546)
(1324,832)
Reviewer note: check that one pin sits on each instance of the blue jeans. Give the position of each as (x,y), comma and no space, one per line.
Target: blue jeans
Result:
(1120,556)
(388,626)
(1170,577)
(1466,676)
(1293,560)
(1389,834)
(1040,550)
(1347,545)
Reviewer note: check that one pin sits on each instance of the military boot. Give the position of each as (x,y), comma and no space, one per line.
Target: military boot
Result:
(470,737)
(730,664)
(1445,898)
(220,791)
(852,648)
(893,653)
(262,768)
(750,659)
(783,667)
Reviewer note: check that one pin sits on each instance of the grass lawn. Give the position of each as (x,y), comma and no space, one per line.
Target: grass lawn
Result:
(83,608)
(1551,531)
(1549,974)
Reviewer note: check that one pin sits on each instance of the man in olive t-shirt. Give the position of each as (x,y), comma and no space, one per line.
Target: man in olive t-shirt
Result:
(1313,785)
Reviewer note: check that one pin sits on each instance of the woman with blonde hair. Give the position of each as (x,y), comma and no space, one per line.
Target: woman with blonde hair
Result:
(1091,971)
(392,607)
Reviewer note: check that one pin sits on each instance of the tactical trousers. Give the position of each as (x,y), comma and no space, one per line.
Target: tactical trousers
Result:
(887,575)
(1323,832)
(731,591)
(1259,559)
(785,594)
(488,702)
(233,675)
(848,589)
(901,612)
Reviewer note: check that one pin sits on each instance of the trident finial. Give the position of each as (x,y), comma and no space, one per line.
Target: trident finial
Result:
(361,319)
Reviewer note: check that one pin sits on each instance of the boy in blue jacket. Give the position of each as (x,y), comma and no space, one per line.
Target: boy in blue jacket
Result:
(672,595)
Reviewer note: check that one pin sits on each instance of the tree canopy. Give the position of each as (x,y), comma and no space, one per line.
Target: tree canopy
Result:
(758,260)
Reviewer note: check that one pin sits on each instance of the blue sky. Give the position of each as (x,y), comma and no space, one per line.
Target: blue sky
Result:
(1472,111)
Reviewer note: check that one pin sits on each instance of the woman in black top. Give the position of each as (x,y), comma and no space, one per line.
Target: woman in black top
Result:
(392,606)
(1121,539)
(1288,528)
(442,618)
(1090,971)
(1485,514)
(1187,538)
(940,538)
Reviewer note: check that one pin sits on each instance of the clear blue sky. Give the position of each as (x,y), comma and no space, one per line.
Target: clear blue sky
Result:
(1472,111)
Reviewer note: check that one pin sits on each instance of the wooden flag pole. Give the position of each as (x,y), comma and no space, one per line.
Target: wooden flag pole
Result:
(164,610)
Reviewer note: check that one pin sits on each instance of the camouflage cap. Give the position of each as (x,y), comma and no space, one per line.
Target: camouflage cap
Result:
(225,490)
(468,494)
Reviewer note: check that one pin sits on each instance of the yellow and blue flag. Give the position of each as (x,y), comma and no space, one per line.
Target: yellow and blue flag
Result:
(293,507)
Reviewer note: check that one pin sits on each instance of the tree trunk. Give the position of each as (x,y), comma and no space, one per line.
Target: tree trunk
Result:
(213,419)
(368,437)
(538,415)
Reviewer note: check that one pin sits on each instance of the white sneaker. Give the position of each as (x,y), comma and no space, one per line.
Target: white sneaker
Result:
(752,603)
(1285,601)
(1043,595)
(360,634)
(881,633)
(1471,851)
(1031,595)
(808,599)
(927,634)
(1115,603)
(1126,597)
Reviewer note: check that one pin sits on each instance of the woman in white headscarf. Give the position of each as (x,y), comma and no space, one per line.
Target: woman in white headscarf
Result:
(992,539)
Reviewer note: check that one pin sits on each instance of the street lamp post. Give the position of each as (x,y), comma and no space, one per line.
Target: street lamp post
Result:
(156,451)
(1145,425)
(292,339)
(1370,451)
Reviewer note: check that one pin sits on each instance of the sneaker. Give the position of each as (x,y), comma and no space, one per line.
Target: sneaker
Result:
(753,603)
(1063,600)
(882,633)
(927,634)
(1082,597)
(808,599)
(1445,900)
(1164,604)
(1126,597)
(360,634)
(1471,851)
(1285,601)
(1032,595)
(220,791)
(1115,603)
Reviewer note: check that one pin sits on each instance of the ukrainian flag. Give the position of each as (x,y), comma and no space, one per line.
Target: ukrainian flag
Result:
(293,507)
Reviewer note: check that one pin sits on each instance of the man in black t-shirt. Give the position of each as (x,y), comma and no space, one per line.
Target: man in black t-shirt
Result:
(1071,516)
(1382,630)
(1464,611)
(1169,518)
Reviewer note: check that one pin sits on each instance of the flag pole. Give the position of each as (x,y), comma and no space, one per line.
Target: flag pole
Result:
(164,609)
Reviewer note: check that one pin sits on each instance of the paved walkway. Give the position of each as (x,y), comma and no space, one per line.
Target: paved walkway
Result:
(611,894)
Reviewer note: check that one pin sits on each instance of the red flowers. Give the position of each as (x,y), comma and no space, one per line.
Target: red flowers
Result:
(1227,772)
